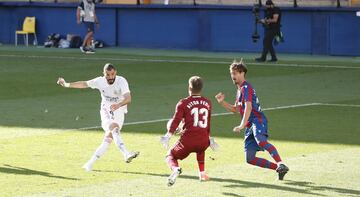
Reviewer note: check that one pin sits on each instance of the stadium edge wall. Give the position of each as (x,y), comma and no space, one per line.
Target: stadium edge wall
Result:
(324,31)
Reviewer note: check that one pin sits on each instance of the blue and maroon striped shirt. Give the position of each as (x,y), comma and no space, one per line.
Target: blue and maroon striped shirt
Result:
(247,93)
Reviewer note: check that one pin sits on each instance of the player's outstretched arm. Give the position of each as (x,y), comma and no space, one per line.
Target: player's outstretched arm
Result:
(79,84)
(173,125)
(220,97)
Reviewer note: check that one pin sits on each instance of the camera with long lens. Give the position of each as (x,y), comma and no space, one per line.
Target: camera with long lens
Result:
(256,12)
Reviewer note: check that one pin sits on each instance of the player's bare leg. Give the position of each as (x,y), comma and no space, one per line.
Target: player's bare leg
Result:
(174,166)
(87,41)
(200,156)
(115,131)
(98,153)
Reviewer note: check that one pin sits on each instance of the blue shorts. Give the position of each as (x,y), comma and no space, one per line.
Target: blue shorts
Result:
(90,26)
(258,131)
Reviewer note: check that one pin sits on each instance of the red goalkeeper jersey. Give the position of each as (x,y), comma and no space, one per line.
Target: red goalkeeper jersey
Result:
(196,113)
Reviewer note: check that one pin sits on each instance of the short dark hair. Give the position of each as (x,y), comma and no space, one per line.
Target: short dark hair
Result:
(238,66)
(109,67)
(269,2)
(196,84)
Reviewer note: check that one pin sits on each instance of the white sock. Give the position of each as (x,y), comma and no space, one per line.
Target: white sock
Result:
(118,141)
(176,169)
(100,150)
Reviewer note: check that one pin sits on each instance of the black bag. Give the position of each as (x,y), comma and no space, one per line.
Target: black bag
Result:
(52,40)
(98,44)
(75,42)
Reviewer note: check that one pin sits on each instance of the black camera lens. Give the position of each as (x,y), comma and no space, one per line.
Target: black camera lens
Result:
(255,37)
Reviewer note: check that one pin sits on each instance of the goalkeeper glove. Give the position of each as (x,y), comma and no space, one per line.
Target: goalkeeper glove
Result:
(213,145)
(164,140)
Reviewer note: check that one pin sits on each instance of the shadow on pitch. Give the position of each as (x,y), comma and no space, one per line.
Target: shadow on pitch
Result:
(231,194)
(25,171)
(314,187)
(309,187)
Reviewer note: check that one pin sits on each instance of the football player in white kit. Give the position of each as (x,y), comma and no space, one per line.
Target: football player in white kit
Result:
(115,95)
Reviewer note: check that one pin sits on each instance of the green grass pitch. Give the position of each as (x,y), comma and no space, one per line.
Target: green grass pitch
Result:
(312,103)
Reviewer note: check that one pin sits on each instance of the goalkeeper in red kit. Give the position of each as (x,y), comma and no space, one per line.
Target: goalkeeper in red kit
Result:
(195,113)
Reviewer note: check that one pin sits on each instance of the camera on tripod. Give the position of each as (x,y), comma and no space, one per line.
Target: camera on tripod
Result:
(256,12)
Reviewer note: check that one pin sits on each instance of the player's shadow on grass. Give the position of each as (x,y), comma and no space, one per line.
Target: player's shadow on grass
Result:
(314,187)
(308,186)
(25,171)
(231,194)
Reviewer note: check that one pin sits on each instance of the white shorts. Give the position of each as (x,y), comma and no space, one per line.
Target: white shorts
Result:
(108,117)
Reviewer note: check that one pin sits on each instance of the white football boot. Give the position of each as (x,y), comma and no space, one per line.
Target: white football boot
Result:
(130,156)
(87,166)
(173,176)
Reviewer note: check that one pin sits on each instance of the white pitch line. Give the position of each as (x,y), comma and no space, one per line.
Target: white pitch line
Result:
(180,61)
(291,106)
(148,121)
(217,114)
(339,105)
(304,65)
(228,113)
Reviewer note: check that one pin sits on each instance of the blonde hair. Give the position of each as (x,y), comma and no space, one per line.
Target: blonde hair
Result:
(196,84)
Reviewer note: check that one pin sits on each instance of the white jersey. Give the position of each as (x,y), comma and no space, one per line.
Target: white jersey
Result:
(110,94)
(88,9)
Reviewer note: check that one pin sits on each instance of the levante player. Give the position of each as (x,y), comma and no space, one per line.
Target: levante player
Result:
(253,121)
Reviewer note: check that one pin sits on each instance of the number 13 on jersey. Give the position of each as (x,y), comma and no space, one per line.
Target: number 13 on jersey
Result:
(203,122)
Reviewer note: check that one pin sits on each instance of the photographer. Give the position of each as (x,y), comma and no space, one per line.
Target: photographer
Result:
(272,23)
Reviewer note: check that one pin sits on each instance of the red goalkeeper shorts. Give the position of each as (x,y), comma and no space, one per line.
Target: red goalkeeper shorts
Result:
(183,147)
